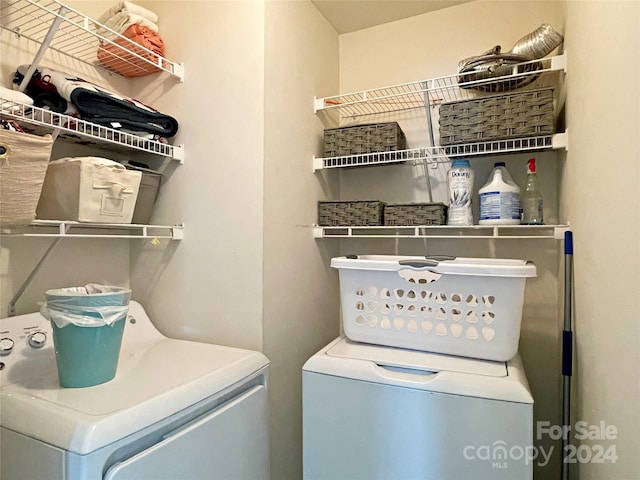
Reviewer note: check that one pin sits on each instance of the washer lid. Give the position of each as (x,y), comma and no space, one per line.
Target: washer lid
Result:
(422,370)
(156,377)
(415,359)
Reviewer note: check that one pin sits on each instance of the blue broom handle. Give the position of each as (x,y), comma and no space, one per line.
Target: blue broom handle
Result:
(567,352)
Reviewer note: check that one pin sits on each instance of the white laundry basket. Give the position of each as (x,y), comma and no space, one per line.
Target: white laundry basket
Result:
(470,307)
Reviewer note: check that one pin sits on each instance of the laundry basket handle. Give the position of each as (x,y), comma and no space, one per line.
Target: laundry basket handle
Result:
(429,261)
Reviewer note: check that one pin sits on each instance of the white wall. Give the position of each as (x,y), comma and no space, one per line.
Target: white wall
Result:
(428,46)
(600,195)
(209,286)
(300,289)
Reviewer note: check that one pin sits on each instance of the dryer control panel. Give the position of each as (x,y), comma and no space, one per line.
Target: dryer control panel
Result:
(23,339)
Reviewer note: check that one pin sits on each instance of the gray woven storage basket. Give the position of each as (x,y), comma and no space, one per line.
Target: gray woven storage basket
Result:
(358,139)
(400,214)
(499,117)
(355,213)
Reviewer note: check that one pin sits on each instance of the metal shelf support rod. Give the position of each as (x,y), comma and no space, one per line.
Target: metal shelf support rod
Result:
(43,48)
(27,281)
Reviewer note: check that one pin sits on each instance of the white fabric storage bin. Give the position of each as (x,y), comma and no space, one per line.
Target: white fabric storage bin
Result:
(88,189)
(470,307)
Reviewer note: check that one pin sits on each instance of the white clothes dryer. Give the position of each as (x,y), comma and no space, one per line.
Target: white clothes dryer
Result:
(383,413)
(175,410)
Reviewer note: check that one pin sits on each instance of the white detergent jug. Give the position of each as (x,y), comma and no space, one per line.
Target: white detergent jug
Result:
(500,198)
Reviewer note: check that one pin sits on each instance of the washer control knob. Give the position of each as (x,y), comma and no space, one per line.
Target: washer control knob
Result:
(37,339)
(6,346)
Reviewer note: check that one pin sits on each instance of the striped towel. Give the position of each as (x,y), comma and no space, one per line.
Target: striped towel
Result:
(124,14)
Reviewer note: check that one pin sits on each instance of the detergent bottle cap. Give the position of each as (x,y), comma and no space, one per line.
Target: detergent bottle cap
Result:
(460,162)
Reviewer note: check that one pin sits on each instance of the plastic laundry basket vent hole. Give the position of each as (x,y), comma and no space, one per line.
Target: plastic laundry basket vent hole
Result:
(488,333)
(456,297)
(399,293)
(472,317)
(420,277)
(488,300)
(417,280)
(488,317)
(385,293)
(426,296)
(360,292)
(426,311)
(411,295)
(447,309)
(471,300)
(442,315)
(441,329)
(456,330)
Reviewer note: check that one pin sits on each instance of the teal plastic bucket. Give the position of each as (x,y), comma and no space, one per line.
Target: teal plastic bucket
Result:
(88,324)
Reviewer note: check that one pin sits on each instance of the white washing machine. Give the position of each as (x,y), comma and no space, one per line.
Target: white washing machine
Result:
(175,410)
(372,412)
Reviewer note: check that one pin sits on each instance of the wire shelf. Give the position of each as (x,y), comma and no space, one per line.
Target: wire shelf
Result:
(70,229)
(444,154)
(554,232)
(83,132)
(433,92)
(52,24)
(430,93)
